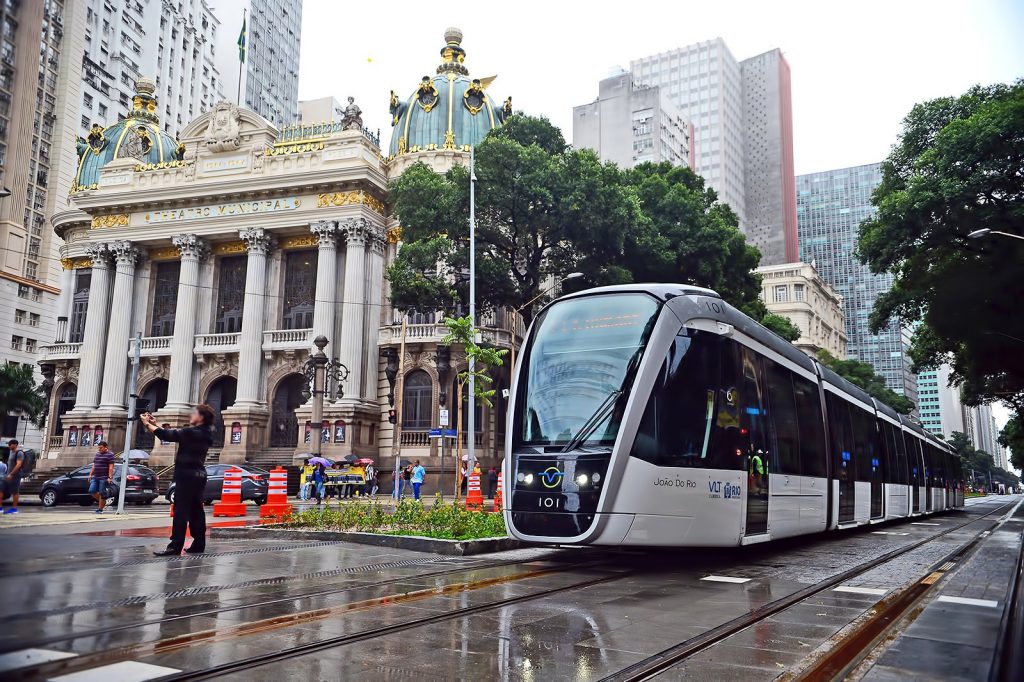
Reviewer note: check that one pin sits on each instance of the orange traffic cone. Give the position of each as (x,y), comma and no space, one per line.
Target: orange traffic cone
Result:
(474,498)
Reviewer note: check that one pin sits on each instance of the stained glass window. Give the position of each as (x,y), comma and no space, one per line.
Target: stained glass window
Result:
(165,297)
(299,289)
(80,303)
(231,294)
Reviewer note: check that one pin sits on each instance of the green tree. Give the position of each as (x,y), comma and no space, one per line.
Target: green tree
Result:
(781,326)
(462,333)
(862,374)
(956,168)
(19,392)
(1012,436)
(542,210)
(689,237)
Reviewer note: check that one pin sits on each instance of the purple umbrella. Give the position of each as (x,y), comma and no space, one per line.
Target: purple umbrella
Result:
(319,460)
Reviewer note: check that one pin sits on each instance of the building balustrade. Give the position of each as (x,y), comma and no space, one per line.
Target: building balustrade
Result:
(55,442)
(154,345)
(59,351)
(216,343)
(287,339)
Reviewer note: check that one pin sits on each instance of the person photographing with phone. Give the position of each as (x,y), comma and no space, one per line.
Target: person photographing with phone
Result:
(194,443)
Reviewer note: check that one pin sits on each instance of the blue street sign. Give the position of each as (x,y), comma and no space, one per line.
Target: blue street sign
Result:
(434,433)
(450,433)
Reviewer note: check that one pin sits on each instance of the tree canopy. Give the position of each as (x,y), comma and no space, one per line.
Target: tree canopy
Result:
(19,392)
(981,463)
(863,374)
(781,326)
(1012,436)
(544,210)
(957,167)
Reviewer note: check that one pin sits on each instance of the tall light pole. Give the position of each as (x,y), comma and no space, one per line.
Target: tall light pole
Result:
(471,438)
(985,231)
(133,387)
(318,370)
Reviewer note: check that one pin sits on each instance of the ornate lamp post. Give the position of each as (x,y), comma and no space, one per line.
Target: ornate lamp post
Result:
(443,361)
(318,371)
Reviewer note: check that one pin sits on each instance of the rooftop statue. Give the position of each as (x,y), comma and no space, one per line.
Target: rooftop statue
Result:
(353,119)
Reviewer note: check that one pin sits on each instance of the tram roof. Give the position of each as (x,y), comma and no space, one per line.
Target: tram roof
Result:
(660,291)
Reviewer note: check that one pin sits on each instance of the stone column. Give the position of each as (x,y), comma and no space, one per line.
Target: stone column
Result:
(179,391)
(356,231)
(94,341)
(250,342)
(374,297)
(115,365)
(64,303)
(326,272)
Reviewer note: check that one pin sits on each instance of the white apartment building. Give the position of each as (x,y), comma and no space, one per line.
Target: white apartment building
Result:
(630,124)
(173,41)
(798,293)
(705,83)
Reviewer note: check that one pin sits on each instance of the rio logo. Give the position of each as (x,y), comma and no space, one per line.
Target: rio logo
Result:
(723,489)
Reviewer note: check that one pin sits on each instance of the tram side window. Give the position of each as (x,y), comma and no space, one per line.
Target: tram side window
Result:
(691,415)
(866,443)
(784,417)
(842,437)
(744,364)
(899,462)
(812,430)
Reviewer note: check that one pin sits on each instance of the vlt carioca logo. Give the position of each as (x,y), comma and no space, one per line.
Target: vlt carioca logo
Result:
(551,477)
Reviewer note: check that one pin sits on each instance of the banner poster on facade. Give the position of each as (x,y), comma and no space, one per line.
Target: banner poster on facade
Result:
(86,437)
(73,436)
(325,432)
(309,432)
(97,434)
(236,433)
(339,431)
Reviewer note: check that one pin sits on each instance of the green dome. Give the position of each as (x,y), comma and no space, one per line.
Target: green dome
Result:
(450,111)
(138,136)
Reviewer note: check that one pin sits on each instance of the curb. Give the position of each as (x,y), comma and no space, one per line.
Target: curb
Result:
(416,543)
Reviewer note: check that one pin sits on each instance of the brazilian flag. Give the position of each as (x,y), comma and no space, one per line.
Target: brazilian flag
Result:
(241,42)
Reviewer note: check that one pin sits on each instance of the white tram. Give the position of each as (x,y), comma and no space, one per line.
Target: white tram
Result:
(660,415)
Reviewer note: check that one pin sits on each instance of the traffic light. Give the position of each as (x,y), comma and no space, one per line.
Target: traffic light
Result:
(392,416)
(141,406)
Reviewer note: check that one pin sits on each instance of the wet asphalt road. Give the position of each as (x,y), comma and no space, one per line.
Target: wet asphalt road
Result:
(88,595)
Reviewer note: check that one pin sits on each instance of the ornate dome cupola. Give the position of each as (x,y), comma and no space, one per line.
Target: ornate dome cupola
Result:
(138,136)
(450,111)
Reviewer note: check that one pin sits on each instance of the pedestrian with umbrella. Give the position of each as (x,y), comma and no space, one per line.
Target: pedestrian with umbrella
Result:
(320,465)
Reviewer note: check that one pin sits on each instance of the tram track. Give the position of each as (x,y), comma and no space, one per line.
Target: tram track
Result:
(298,617)
(655,664)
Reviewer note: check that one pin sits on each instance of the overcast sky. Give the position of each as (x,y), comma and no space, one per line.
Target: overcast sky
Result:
(857,67)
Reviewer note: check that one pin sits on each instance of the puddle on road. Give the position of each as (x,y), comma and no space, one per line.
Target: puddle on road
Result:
(163,531)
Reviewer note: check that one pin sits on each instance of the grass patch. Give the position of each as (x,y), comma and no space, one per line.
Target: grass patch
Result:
(442,520)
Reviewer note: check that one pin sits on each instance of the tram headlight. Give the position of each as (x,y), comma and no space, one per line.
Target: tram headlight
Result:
(581,479)
(528,479)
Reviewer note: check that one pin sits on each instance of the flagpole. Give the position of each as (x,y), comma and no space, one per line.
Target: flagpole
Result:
(241,60)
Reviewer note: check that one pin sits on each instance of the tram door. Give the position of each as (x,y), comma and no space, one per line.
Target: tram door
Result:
(750,397)
(915,472)
(843,460)
(928,473)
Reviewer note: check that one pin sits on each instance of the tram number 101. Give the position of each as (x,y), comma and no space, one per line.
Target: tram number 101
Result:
(549,502)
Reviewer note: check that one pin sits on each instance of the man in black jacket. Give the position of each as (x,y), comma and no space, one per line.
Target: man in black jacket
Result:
(194,442)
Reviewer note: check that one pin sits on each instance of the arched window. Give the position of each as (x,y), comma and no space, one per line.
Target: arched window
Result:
(416,400)
(65,403)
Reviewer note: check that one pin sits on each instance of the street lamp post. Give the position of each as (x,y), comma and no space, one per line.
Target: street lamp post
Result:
(443,361)
(471,415)
(985,231)
(318,370)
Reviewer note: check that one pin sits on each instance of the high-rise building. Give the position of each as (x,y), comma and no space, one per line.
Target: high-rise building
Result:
(320,110)
(830,208)
(986,433)
(630,124)
(938,405)
(743,134)
(32,128)
(270,74)
(172,42)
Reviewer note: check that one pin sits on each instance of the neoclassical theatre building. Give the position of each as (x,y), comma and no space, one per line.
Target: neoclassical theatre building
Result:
(230,249)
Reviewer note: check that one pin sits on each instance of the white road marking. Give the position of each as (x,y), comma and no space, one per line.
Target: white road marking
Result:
(922,523)
(970,602)
(873,591)
(887,532)
(125,671)
(725,579)
(27,657)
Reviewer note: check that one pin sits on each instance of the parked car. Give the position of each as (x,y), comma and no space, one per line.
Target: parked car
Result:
(254,483)
(74,487)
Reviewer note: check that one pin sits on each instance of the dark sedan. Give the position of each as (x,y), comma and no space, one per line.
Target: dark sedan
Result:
(74,487)
(254,483)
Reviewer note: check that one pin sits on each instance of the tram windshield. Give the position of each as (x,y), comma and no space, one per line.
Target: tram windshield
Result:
(585,352)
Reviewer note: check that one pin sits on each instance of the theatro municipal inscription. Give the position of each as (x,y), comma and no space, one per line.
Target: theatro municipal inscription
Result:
(238,208)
